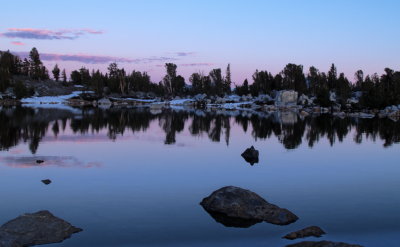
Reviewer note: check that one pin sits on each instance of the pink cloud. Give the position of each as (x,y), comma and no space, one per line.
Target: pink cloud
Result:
(189,64)
(17,43)
(32,33)
(184,54)
(196,64)
(93,31)
(94,59)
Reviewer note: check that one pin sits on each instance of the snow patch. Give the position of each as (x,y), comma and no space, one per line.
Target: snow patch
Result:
(137,100)
(51,99)
(181,101)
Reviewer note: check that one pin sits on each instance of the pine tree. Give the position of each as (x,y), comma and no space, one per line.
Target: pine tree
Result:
(228,81)
(56,72)
(35,64)
(64,76)
(332,78)
(216,79)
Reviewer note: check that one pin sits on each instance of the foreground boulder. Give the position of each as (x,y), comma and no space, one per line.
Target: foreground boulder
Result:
(46,181)
(34,229)
(237,204)
(322,244)
(250,155)
(314,231)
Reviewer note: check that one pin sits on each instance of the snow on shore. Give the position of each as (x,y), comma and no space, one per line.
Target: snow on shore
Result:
(181,102)
(57,102)
(136,100)
(50,99)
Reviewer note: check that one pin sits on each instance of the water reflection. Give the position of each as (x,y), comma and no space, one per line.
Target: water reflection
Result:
(58,161)
(31,125)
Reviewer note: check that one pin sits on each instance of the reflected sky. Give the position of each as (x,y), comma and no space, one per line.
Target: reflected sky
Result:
(339,174)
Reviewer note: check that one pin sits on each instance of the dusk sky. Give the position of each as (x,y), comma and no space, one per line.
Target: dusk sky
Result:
(201,35)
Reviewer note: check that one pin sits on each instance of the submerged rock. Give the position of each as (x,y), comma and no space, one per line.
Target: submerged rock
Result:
(46,181)
(322,244)
(314,231)
(235,203)
(34,229)
(251,155)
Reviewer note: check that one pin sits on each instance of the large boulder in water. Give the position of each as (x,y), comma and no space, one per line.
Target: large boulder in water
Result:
(34,229)
(237,203)
(250,155)
(322,244)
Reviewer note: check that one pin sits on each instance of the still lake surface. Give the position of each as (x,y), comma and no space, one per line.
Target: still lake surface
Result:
(135,177)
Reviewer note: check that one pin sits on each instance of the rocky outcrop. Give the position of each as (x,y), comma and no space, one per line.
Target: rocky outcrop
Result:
(304,100)
(353,100)
(322,244)
(104,101)
(34,229)
(332,96)
(250,155)
(235,203)
(200,97)
(286,97)
(264,99)
(311,231)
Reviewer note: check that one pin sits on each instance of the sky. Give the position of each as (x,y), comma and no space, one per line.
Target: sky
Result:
(199,35)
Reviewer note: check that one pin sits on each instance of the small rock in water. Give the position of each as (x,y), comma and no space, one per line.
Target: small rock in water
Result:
(34,229)
(46,181)
(250,155)
(237,205)
(322,244)
(39,161)
(314,231)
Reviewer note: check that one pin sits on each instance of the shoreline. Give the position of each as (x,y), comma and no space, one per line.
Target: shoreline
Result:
(193,105)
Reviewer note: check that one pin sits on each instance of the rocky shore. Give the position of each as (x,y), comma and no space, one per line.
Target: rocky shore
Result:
(281,101)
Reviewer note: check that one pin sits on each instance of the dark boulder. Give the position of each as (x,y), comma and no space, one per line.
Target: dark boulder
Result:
(46,181)
(250,155)
(34,229)
(314,231)
(322,244)
(237,203)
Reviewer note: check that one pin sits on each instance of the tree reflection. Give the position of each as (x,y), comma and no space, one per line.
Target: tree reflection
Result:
(31,125)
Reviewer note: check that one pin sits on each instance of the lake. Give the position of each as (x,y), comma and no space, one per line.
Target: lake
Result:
(135,177)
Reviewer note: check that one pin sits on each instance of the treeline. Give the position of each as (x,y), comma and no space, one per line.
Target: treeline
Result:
(377,91)
(119,81)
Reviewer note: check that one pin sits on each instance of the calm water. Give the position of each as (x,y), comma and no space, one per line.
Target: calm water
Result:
(135,177)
